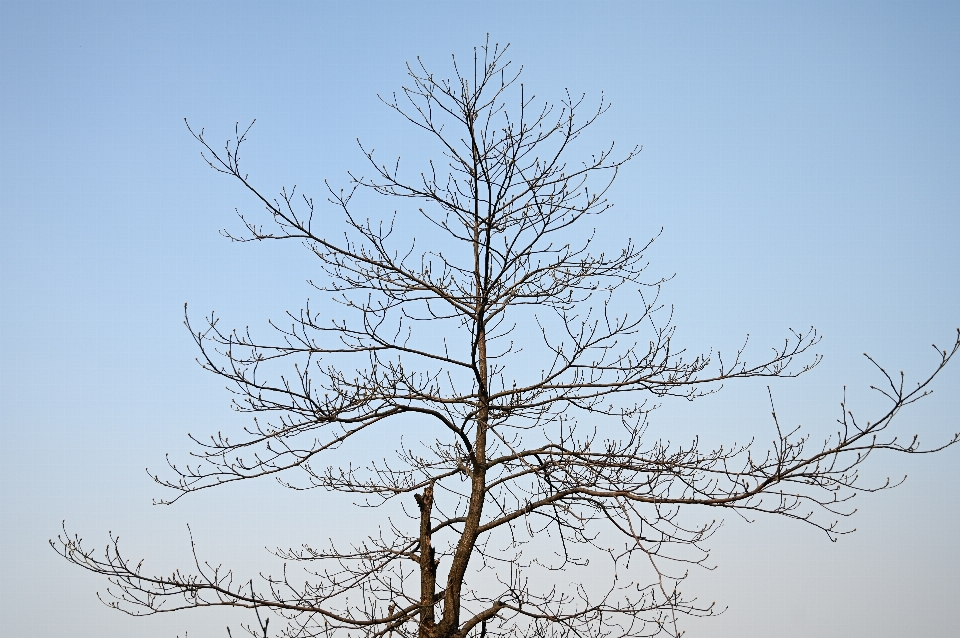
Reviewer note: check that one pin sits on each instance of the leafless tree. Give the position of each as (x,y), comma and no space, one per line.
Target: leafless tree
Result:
(525,365)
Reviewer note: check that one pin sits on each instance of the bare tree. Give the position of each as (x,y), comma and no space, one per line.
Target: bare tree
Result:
(528,363)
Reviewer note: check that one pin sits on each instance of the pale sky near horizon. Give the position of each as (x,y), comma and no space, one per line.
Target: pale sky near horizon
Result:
(803,160)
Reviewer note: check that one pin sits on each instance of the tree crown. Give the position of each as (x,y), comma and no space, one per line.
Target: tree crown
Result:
(505,450)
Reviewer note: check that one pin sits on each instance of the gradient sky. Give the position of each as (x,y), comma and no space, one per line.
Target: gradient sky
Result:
(802,158)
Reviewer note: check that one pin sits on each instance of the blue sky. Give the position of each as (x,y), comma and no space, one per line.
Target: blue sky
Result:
(802,158)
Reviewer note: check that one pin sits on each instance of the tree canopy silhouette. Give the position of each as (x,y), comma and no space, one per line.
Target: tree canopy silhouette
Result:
(522,363)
